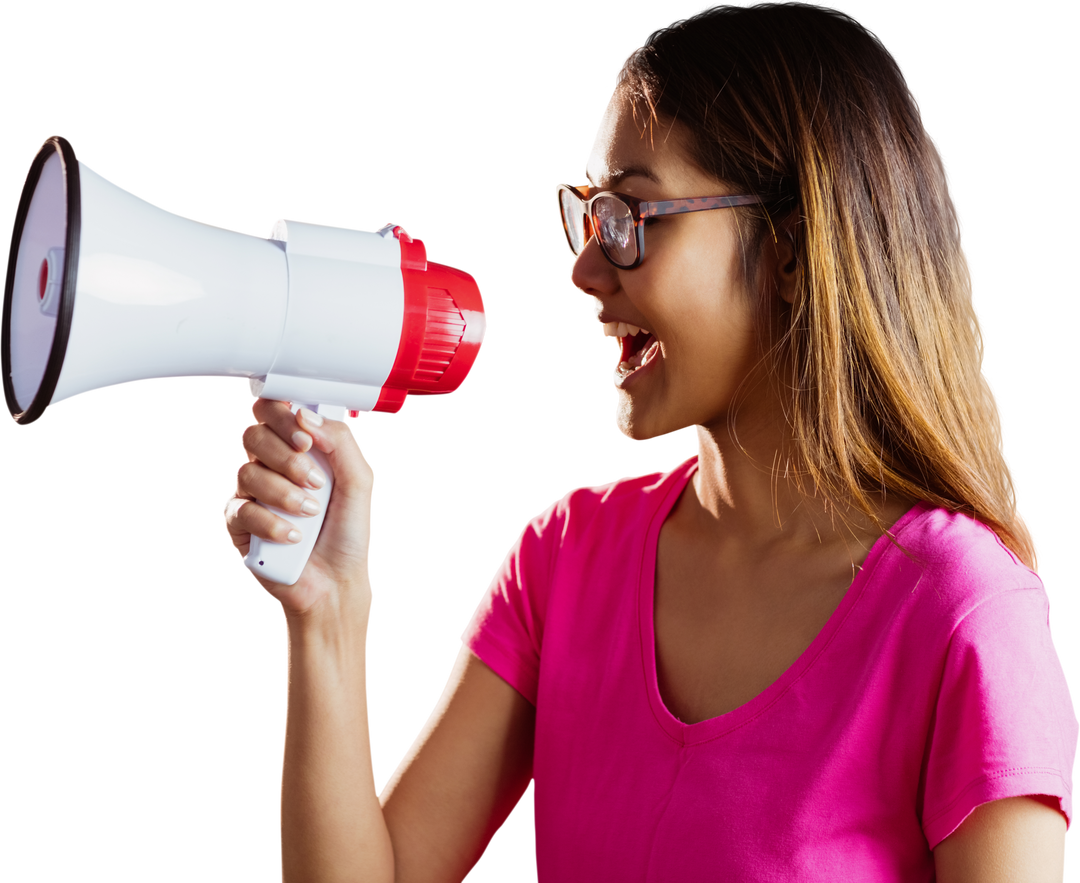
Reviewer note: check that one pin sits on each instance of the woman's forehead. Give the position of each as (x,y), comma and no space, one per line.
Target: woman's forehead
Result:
(633,145)
(619,146)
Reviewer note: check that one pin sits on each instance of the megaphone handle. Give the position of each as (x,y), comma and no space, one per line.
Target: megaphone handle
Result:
(284,562)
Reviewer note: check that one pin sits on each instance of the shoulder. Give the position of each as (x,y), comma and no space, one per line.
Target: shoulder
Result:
(973,605)
(957,563)
(945,537)
(615,505)
(975,622)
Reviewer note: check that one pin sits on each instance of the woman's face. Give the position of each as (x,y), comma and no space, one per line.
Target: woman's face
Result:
(689,295)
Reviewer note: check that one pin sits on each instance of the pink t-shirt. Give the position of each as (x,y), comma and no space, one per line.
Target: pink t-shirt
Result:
(933,688)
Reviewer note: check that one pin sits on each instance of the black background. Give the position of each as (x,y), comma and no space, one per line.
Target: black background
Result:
(145,667)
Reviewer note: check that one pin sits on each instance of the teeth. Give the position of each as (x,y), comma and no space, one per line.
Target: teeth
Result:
(621,329)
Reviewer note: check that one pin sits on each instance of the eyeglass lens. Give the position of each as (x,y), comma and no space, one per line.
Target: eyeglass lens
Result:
(613,223)
(573,212)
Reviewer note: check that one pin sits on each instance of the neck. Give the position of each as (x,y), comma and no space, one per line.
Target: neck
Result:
(746,491)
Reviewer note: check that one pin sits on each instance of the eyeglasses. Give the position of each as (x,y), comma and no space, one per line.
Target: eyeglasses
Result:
(618,220)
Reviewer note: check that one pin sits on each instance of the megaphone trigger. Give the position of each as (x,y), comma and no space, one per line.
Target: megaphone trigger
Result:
(103,288)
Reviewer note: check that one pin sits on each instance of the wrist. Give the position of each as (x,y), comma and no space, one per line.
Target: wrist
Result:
(335,616)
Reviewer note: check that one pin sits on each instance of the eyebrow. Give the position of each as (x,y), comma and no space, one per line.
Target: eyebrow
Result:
(629,172)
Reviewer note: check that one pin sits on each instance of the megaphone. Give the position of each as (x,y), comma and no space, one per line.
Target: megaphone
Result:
(103,288)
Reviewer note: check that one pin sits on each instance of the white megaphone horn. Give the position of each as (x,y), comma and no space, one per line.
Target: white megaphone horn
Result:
(103,288)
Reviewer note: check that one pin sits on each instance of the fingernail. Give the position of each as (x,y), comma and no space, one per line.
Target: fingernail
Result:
(301,440)
(316,478)
(294,536)
(309,507)
(310,417)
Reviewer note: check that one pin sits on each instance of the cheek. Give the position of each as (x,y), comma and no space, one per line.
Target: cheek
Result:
(711,309)
(692,289)
(704,259)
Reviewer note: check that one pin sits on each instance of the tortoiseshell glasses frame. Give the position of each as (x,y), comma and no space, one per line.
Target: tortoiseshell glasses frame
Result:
(620,219)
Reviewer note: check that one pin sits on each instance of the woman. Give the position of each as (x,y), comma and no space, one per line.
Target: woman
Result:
(816,651)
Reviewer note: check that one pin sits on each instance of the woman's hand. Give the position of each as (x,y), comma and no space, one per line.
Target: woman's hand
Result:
(280,473)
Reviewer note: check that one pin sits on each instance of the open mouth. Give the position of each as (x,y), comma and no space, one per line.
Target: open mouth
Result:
(633,350)
(636,348)
(632,344)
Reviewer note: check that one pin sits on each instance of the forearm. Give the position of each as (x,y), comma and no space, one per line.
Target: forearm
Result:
(332,825)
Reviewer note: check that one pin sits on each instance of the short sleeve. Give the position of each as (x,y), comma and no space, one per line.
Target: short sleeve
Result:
(1004,724)
(506,631)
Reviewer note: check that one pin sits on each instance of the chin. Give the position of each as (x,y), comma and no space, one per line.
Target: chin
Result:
(637,426)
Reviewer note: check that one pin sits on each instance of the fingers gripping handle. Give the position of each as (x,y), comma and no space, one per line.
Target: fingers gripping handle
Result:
(284,562)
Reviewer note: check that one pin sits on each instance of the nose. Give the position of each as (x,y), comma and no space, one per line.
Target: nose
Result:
(592,272)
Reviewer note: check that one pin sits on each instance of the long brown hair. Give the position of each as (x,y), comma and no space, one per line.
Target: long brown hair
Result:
(805,107)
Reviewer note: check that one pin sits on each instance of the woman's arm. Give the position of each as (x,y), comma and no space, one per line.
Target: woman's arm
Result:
(1016,840)
(332,827)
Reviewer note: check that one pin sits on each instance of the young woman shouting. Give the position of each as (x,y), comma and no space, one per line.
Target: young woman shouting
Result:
(815,651)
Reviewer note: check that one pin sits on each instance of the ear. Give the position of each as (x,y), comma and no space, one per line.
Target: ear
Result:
(787,259)
(787,267)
